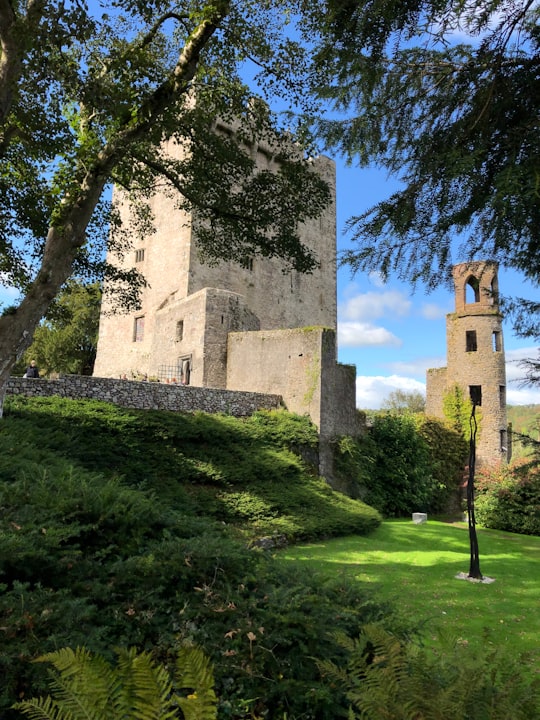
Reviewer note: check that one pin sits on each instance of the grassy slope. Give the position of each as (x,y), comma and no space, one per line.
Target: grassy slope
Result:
(415,566)
(228,470)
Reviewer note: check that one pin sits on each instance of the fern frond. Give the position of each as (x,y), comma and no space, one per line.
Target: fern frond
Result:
(39,709)
(145,689)
(82,685)
(194,673)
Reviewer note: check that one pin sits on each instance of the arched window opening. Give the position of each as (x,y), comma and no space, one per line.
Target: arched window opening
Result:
(472,290)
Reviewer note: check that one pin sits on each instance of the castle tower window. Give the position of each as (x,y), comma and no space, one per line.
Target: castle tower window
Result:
(470,341)
(475,393)
(502,395)
(496,341)
(138,329)
(139,255)
(472,290)
(503,441)
(179,330)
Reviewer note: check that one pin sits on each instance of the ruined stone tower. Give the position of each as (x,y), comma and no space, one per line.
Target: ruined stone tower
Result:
(475,358)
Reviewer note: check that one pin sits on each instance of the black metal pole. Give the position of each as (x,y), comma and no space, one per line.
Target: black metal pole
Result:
(474,567)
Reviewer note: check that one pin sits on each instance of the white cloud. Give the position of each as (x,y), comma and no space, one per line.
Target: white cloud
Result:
(370,305)
(523,396)
(363,334)
(516,392)
(514,372)
(372,391)
(431,311)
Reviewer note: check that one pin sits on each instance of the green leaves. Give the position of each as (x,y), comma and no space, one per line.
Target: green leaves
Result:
(86,686)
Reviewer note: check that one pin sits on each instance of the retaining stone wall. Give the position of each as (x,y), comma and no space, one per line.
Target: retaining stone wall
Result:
(147,395)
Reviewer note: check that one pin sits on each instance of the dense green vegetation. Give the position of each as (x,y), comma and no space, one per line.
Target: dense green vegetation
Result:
(508,497)
(128,528)
(406,463)
(140,529)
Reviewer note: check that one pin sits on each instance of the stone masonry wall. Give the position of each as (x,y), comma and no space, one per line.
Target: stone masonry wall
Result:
(436,387)
(147,395)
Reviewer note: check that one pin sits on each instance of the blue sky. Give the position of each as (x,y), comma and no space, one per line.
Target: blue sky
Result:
(392,335)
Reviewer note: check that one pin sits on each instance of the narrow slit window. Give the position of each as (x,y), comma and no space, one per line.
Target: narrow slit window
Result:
(475,393)
(496,340)
(503,440)
(470,341)
(179,330)
(138,329)
(139,255)
(502,395)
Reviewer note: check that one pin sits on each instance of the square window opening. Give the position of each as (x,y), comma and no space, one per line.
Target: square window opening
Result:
(471,344)
(475,393)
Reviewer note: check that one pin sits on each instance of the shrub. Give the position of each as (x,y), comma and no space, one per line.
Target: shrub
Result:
(448,451)
(509,499)
(404,463)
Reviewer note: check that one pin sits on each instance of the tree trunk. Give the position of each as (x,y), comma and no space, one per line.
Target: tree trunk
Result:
(63,242)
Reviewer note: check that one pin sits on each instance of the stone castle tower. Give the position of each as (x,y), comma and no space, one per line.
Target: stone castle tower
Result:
(475,358)
(247,327)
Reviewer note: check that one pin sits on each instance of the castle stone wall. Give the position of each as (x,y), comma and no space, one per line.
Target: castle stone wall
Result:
(436,386)
(146,395)
(299,364)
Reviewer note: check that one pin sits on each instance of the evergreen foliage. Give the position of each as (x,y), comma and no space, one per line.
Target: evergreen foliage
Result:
(444,96)
(508,498)
(404,464)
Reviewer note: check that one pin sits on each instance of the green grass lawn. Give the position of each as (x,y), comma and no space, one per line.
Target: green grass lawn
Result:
(414,567)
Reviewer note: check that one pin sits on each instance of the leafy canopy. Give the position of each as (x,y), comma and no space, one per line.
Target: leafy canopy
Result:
(66,341)
(89,98)
(445,96)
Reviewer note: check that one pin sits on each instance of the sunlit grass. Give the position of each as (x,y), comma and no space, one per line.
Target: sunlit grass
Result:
(415,567)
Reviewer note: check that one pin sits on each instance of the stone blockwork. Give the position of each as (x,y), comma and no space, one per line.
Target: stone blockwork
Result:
(475,358)
(301,364)
(147,395)
(276,298)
